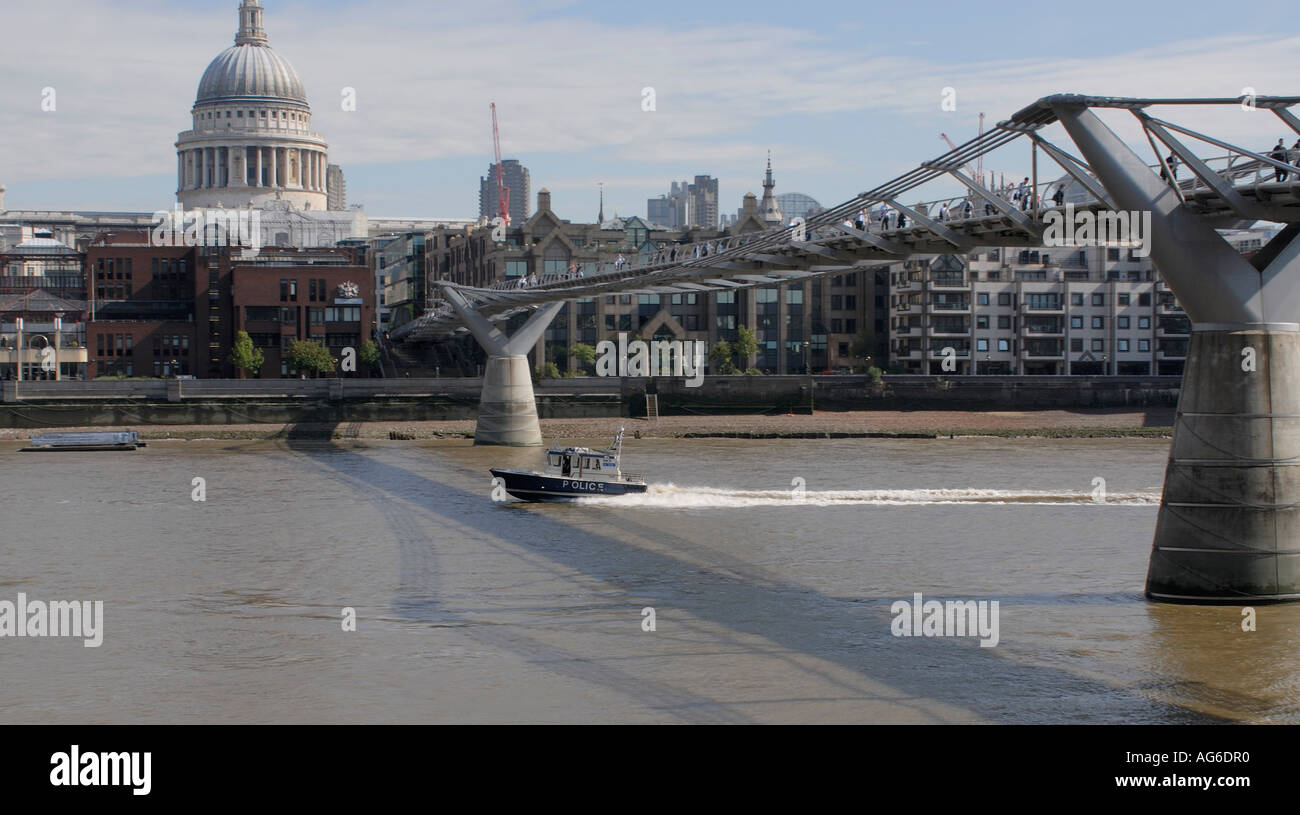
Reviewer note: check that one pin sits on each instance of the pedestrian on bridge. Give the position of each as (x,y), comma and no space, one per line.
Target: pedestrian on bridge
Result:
(1279,154)
(1170,171)
(1059,197)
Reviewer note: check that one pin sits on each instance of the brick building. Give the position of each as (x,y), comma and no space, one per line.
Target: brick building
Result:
(174,311)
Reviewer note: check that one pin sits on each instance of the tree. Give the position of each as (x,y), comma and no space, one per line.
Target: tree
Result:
(246,357)
(309,357)
(720,358)
(585,354)
(745,346)
(369,355)
(863,345)
(550,371)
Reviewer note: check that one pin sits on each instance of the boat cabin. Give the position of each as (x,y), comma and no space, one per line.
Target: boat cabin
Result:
(581,462)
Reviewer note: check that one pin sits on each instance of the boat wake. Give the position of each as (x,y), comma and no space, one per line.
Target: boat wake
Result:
(673,496)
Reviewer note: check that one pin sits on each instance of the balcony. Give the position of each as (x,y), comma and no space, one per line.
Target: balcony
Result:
(1043,349)
(946,281)
(941,303)
(1050,328)
(1044,306)
(960,352)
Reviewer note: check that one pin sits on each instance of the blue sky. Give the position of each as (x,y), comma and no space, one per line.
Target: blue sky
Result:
(844,95)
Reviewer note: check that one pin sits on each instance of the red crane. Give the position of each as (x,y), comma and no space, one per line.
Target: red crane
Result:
(503,192)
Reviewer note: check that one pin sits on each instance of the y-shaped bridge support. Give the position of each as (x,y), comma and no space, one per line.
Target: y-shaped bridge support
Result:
(507,412)
(1229,523)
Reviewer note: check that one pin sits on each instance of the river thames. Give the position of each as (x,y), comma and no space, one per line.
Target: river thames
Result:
(771,567)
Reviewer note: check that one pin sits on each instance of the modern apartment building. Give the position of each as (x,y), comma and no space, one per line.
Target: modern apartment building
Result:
(1071,311)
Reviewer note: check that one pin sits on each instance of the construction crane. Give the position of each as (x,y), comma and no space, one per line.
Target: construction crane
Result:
(977,172)
(503,192)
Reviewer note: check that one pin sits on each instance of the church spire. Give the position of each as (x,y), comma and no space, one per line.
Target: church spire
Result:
(250,24)
(771,211)
(600,219)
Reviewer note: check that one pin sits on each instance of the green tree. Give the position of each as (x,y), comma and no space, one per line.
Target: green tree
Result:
(586,356)
(369,355)
(309,357)
(720,358)
(550,371)
(246,357)
(745,346)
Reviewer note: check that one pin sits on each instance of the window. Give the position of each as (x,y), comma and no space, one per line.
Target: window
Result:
(1004,321)
(726,297)
(315,316)
(1121,322)
(794,297)
(1076,345)
(1076,298)
(1124,298)
(1004,345)
(1099,299)
(1042,300)
(284,290)
(343,314)
(1112,254)
(1144,299)
(982,299)
(1144,345)
(1121,345)
(293,290)
(1099,345)
(981,345)
(837,325)
(256,313)
(311,290)
(850,302)
(1076,322)
(982,321)
(1098,322)
(1144,322)
(1004,299)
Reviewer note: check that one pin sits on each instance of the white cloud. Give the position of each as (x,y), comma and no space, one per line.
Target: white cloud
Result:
(563,85)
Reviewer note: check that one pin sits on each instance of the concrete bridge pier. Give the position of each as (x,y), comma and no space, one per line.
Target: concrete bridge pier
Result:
(507,407)
(1229,523)
(1228,530)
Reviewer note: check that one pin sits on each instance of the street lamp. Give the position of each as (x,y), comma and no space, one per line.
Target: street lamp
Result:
(807,368)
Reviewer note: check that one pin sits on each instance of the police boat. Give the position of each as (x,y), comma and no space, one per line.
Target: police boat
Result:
(573,472)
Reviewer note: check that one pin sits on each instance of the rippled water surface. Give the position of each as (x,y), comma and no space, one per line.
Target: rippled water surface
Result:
(770,565)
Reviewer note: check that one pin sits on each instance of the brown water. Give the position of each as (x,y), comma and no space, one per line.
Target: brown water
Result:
(768,608)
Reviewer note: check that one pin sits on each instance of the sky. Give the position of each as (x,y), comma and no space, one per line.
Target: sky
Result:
(844,95)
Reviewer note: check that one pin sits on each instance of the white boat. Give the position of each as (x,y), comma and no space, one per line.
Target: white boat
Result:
(573,472)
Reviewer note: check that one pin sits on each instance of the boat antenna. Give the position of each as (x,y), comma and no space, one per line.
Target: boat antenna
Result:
(618,444)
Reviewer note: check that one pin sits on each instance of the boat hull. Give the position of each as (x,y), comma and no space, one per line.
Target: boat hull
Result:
(528,486)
